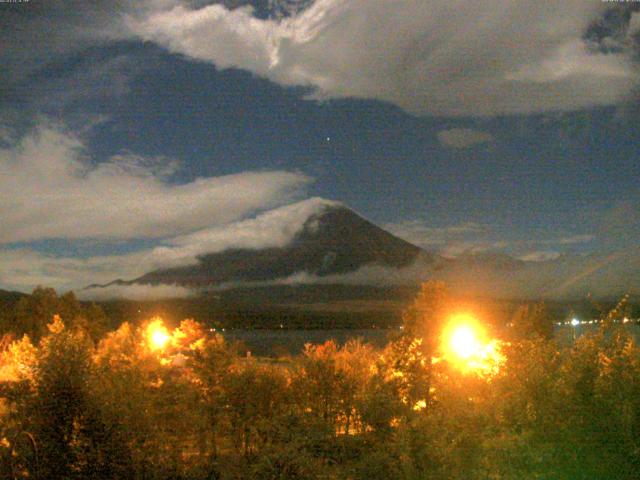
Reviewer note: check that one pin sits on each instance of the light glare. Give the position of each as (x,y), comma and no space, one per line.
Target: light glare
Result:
(465,345)
(157,334)
(464,342)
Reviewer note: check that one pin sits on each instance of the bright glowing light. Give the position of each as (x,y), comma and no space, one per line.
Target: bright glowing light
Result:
(465,344)
(159,339)
(420,405)
(157,334)
(575,322)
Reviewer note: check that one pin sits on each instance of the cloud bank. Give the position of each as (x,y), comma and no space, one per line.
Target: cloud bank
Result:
(453,58)
(474,238)
(136,292)
(272,229)
(462,137)
(566,277)
(52,189)
(24,268)
(424,235)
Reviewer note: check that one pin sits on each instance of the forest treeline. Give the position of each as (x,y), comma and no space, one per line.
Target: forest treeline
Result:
(148,400)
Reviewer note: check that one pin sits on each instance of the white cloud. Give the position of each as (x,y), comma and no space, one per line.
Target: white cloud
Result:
(420,270)
(543,274)
(539,256)
(136,292)
(572,239)
(570,60)
(23,269)
(466,238)
(275,228)
(473,238)
(472,247)
(451,58)
(563,277)
(52,189)
(462,137)
(421,234)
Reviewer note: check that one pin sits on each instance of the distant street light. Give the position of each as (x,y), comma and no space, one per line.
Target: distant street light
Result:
(574,323)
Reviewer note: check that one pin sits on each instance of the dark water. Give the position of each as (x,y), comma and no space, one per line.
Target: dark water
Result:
(566,333)
(278,342)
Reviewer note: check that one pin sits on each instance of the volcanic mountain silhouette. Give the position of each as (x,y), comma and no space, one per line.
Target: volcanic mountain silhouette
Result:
(332,244)
(333,241)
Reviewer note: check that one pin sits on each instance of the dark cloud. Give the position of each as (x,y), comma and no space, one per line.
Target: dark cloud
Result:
(620,224)
(35,34)
(614,31)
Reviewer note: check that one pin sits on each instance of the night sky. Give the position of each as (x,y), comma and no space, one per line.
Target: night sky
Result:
(464,127)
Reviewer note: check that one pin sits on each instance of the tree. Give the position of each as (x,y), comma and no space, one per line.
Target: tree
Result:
(531,320)
(61,414)
(35,311)
(411,355)
(428,313)
(254,397)
(320,381)
(210,366)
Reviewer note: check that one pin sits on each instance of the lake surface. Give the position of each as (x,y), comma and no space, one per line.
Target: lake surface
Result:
(282,341)
(568,333)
